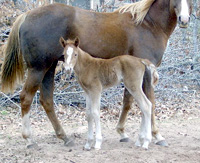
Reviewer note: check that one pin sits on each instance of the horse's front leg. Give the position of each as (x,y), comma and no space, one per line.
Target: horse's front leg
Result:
(149,92)
(127,102)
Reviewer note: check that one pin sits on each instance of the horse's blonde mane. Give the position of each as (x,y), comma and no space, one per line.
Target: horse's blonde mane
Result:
(138,10)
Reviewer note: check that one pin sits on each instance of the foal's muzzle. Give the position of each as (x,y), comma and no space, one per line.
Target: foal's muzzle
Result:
(183,21)
(68,67)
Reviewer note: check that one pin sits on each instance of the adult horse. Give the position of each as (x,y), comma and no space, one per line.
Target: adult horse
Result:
(141,29)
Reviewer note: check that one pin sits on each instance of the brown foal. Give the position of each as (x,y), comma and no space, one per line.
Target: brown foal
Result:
(95,75)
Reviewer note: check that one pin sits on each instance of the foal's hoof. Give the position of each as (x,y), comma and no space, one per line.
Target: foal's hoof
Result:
(162,143)
(69,143)
(97,149)
(32,146)
(86,149)
(124,140)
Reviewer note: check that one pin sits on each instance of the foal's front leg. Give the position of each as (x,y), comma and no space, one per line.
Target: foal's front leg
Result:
(95,105)
(90,136)
(94,114)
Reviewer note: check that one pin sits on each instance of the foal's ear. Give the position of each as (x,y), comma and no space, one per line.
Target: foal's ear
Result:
(76,41)
(62,42)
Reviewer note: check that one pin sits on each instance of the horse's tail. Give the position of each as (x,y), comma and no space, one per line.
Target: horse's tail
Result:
(13,67)
(151,74)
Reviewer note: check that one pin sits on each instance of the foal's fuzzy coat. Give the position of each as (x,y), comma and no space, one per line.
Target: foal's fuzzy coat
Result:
(95,75)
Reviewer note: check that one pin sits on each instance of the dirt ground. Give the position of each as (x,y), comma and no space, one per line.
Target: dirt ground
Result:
(181,132)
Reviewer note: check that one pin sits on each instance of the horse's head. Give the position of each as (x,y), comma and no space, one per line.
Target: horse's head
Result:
(70,52)
(183,9)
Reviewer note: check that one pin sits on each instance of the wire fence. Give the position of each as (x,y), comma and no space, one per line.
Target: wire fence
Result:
(179,77)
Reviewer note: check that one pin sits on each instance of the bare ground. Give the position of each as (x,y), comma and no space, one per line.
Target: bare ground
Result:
(181,132)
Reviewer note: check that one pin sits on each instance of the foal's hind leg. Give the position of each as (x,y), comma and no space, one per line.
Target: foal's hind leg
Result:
(26,96)
(149,91)
(127,102)
(46,99)
(145,105)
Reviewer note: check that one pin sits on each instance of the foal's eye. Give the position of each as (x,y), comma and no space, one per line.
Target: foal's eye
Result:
(76,55)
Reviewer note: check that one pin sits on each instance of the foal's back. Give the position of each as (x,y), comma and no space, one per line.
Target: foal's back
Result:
(112,71)
(96,73)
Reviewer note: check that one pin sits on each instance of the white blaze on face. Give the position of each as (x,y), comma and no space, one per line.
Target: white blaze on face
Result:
(184,11)
(69,54)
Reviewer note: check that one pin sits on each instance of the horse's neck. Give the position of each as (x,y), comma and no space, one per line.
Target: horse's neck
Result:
(162,16)
(82,61)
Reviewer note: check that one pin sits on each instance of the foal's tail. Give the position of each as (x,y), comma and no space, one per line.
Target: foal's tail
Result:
(151,73)
(13,68)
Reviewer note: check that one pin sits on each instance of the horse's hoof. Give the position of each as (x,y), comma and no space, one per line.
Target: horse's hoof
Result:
(162,143)
(33,146)
(124,140)
(69,143)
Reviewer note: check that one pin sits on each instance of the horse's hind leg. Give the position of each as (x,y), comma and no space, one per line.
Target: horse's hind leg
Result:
(46,99)
(26,96)
(127,102)
(149,91)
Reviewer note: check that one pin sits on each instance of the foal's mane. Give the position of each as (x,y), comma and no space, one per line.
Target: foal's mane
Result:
(138,10)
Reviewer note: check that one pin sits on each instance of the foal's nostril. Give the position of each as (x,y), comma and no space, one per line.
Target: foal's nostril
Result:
(189,19)
(179,19)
